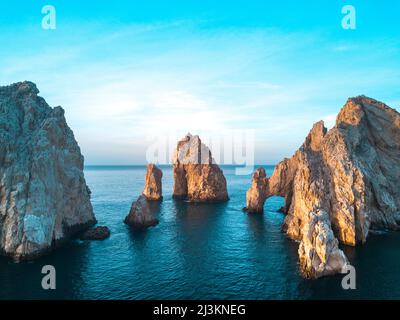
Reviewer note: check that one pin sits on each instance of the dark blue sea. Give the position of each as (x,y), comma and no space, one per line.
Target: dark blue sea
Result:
(197,251)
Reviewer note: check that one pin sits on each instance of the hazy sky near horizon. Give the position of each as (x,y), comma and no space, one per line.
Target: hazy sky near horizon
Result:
(125,71)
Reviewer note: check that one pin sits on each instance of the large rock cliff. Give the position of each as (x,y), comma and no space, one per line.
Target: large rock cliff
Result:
(197,178)
(351,172)
(44,199)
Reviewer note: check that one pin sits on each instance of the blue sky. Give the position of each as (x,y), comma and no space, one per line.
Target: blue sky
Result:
(127,70)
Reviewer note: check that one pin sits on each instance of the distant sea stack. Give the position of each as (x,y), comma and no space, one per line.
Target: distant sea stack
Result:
(141,214)
(197,178)
(44,199)
(351,172)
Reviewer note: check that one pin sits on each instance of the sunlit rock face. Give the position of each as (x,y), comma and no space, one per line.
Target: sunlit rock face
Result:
(197,178)
(153,184)
(44,199)
(319,253)
(256,195)
(350,172)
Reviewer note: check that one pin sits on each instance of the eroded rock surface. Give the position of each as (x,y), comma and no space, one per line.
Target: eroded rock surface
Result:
(351,172)
(44,199)
(197,178)
(98,233)
(153,186)
(256,195)
(142,213)
(319,253)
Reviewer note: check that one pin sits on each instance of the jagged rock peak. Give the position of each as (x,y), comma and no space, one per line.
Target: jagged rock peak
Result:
(197,177)
(190,150)
(44,199)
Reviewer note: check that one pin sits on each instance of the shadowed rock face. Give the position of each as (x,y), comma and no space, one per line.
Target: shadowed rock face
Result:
(351,172)
(44,198)
(98,233)
(197,178)
(141,215)
(153,187)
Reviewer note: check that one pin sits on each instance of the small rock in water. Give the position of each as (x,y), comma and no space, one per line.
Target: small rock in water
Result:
(141,216)
(98,233)
(153,187)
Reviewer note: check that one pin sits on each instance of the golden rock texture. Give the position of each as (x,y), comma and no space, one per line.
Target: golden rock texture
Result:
(256,195)
(197,178)
(153,187)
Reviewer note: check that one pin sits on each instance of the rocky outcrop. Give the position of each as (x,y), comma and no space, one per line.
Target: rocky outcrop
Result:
(197,178)
(257,194)
(319,253)
(98,233)
(141,215)
(153,188)
(351,172)
(44,199)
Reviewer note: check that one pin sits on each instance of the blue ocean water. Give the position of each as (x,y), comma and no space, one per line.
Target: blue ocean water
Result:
(197,251)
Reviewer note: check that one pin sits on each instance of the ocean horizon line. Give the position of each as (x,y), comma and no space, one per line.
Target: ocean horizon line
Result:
(168,165)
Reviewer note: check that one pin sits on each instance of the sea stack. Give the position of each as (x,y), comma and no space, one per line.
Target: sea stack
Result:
(197,178)
(44,199)
(141,214)
(153,188)
(350,172)
(256,195)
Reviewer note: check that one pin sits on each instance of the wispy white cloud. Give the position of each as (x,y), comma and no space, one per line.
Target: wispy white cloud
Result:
(121,84)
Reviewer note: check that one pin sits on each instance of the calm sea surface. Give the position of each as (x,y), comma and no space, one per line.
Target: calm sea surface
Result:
(207,251)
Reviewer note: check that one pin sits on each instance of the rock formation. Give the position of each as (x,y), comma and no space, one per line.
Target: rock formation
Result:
(152,188)
(257,194)
(141,215)
(98,233)
(44,199)
(319,253)
(351,172)
(197,178)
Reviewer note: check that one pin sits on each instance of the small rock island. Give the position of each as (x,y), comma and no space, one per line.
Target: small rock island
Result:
(141,215)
